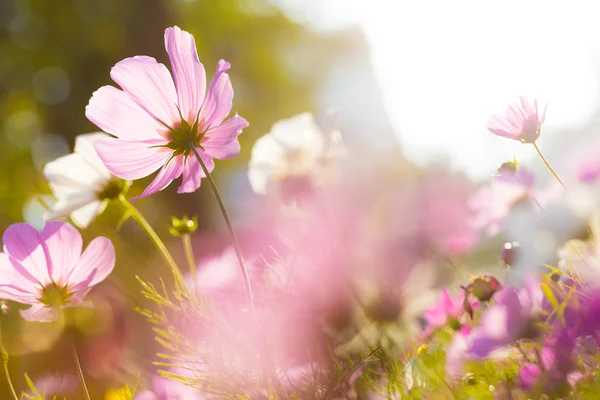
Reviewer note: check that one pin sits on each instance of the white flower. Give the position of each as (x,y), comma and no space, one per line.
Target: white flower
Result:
(294,148)
(81,183)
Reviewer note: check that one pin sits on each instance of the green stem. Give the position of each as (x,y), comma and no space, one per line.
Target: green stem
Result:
(548,165)
(236,245)
(191,260)
(6,372)
(139,218)
(86,393)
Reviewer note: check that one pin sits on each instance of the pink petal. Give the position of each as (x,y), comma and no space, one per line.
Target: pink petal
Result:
(188,72)
(192,172)
(115,112)
(132,160)
(221,141)
(64,248)
(218,101)
(14,285)
(24,244)
(165,176)
(150,85)
(40,313)
(98,258)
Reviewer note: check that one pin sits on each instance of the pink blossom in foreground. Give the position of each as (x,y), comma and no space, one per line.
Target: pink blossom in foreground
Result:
(49,271)
(521,122)
(156,120)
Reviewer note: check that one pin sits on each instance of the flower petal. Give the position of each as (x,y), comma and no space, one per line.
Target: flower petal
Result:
(15,285)
(84,146)
(193,173)
(40,313)
(84,215)
(115,112)
(99,256)
(188,72)
(64,248)
(132,160)
(24,244)
(221,141)
(150,85)
(218,101)
(165,176)
(68,203)
(72,172)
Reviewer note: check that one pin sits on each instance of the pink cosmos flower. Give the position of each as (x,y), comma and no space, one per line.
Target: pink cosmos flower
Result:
(522,122)
(447,310)
(156,120)
(49,270)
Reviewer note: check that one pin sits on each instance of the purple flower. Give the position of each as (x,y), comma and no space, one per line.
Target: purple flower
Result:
(156,120)
(521,122)
(49,270)
(513,316)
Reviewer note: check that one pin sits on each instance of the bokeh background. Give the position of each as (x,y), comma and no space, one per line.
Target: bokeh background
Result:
(407,83)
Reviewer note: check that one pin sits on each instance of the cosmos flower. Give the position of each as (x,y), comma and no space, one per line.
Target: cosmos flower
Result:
(81,183)
(156,120)
(522,121)
(447,310)
(294,156)
(49,271)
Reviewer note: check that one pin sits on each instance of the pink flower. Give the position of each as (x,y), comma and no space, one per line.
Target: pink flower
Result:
(49,270)
(522,122)
(156,120)
(447,310)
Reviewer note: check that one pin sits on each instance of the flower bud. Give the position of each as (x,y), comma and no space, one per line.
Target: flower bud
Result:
(183,226)
(510,253)
(483,287)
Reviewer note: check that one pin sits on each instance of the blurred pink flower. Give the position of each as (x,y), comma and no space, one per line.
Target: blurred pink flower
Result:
(156,120)
(49,270)
(522,122)
(492,204)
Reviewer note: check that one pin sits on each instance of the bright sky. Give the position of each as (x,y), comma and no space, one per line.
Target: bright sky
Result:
(444,66)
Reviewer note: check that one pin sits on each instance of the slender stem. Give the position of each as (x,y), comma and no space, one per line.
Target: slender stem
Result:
(548,165)
(80,375)
(191,260)
(6,371)
(139,218)
(236,245)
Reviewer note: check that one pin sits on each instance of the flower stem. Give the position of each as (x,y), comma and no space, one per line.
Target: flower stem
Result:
(6,371)
(80,375)
(236,245)
(189,255)
(548,165)
(139,218)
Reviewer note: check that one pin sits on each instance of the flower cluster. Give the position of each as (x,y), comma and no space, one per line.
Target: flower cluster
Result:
(360,290)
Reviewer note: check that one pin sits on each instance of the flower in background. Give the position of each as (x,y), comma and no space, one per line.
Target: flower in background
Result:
(294,157)
(49,271)
(514,315)
(81,183)
(447,311)
(492,204)
(522,121)
(157,121)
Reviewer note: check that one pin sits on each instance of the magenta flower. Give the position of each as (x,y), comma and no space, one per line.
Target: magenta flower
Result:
(49,270)
(156,120)
(447,311)
(522,122)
